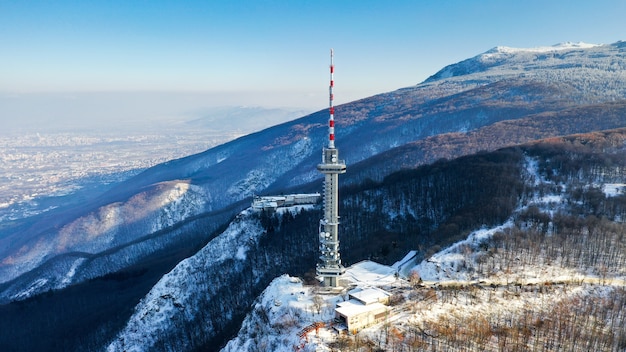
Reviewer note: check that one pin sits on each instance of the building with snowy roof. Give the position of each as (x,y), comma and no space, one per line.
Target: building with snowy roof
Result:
(365,307)
(271,203)
(370,295)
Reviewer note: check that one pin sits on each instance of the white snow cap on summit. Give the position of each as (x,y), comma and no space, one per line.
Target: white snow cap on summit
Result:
(543,49)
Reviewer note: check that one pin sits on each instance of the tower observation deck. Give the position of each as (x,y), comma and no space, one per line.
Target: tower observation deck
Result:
(330,268)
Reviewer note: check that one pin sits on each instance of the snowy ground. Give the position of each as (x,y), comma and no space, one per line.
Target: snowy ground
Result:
(368,273)
(613,189)
(299,318)
(290,316)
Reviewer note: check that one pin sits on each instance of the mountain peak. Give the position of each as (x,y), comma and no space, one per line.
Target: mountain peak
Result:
(504,60)
(541,49)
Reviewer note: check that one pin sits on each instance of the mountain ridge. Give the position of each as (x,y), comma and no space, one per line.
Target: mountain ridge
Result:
(531,92)
(284,156)
(542,184)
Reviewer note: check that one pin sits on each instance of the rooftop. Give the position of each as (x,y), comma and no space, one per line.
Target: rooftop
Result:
(369,295)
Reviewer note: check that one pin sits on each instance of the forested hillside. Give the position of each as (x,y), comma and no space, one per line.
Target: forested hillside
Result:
(549,275)
(551,279)
(425,168)
(590,118)
(430,208)
(439,203)
(427,208)
(48,251)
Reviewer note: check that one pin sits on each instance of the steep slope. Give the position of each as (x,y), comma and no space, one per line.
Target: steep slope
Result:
(550,277)
(182,202)
(506,84)
(501,134)
(549,187)
(200,298)
(181,297)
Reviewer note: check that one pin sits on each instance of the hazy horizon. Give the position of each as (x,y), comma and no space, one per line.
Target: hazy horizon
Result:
(98,64)
(126,111)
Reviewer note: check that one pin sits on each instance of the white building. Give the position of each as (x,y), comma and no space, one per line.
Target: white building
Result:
(271,203)
(365,307)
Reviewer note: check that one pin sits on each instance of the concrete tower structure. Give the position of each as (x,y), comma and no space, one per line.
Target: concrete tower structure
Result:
(330,267)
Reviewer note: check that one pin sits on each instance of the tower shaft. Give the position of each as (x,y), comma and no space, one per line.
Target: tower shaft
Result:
(330,267)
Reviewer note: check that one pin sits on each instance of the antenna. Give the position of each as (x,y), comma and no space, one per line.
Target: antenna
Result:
(330,268)
(331,109)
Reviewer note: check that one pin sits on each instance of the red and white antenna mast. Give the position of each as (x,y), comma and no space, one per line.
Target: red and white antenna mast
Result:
(329,267)
(331,109)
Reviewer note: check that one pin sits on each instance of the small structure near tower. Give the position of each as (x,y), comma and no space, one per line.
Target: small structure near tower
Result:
(330,267)
(271,203)
(365,307)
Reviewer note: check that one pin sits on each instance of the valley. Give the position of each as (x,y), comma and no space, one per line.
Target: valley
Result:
(502,174)
(39,171)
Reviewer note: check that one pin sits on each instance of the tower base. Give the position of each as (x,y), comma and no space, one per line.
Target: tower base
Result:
(331,281)
(329,277)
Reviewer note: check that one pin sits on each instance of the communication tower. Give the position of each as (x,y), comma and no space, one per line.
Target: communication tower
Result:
(330,267)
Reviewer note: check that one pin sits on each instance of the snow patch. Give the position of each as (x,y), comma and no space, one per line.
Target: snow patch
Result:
(448,264)
(540,49)
(368,273)
(71,272)
(241,253)
(613,189)
(34,287)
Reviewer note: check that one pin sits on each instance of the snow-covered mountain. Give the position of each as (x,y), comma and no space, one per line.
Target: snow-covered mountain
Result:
(183,203)
(487,286)
(501,84)
(66,254)
(552,191)
(208,289)
(574,66)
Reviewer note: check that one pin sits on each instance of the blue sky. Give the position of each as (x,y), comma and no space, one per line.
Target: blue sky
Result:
(270,52)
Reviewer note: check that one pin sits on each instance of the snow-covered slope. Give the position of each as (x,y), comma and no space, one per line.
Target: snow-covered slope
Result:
(474,294)
(114,225)
(177,298)
(500,84)
(290,316)
(206,290)
(278,316)
(577,63)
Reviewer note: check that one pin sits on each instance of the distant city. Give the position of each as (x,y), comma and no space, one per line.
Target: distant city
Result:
(36,166)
